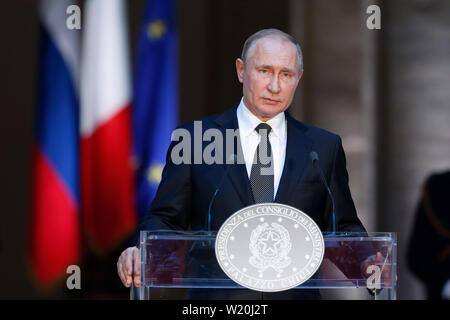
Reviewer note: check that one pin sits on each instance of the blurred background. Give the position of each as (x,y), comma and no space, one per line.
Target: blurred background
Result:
(137,68)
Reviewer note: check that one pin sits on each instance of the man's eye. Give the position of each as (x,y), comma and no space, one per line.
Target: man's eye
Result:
(287,74)
(263,70)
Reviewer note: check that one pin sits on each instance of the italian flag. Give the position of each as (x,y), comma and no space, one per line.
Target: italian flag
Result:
(107,183)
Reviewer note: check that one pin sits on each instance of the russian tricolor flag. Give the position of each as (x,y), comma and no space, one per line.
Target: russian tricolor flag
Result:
(107,183)
(54,241)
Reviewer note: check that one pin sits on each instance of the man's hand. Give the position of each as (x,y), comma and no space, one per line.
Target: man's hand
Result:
(385,268)
(130,262)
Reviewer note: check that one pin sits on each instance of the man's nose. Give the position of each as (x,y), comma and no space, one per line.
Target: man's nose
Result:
(274,85)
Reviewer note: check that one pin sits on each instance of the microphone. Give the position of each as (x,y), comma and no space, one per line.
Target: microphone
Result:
(231,160)
(314,159)
(200,253)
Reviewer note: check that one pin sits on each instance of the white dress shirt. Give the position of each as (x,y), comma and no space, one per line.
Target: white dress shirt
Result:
(247,122)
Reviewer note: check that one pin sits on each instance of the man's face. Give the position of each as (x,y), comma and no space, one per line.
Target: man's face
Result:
(269,76)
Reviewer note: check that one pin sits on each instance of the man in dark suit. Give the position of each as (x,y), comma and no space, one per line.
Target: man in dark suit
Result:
(269,69)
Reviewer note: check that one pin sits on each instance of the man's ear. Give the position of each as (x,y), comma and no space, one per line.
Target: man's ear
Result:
(300,75)
(240,69)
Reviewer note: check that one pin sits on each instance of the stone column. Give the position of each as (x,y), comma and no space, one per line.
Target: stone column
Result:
(337,91)
(337,88)
(415,116)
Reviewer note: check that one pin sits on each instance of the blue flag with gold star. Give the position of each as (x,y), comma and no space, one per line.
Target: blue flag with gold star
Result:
(155,106)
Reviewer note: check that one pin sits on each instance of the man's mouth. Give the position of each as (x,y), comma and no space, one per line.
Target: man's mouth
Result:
(270,101)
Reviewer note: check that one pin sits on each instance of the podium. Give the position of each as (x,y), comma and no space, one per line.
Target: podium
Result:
(183,265)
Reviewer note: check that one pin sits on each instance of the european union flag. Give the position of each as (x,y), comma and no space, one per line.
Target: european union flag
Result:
(155,107)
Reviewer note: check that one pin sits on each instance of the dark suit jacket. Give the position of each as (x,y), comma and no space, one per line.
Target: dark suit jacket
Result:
(429,247)
(185,191)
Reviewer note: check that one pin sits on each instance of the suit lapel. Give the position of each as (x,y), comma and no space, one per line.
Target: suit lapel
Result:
(237,173)
(298,147)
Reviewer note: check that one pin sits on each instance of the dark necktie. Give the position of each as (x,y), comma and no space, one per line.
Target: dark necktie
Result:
(261,176)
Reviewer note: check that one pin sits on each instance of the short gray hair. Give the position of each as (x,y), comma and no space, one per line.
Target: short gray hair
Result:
(271,33)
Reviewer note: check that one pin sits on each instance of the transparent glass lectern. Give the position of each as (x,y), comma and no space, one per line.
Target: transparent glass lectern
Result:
(183,265)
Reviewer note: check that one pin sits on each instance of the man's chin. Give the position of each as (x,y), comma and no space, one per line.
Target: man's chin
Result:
(270,111)
(267,116)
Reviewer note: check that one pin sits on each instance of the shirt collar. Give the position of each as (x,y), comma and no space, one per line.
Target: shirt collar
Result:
(248,121)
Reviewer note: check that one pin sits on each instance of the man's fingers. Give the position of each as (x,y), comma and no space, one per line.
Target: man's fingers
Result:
(127,280)
(125,266)
(387,273)
(137,261)
(128,263)
(388,282)
(137,267)
(122,274)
